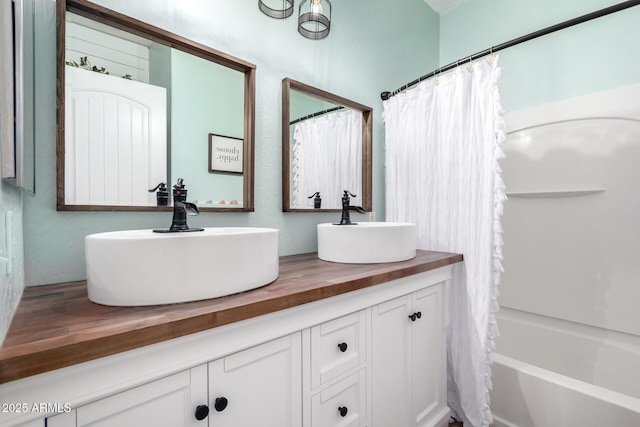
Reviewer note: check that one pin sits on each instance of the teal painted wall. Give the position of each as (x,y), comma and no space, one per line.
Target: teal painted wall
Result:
(590,57)
(370,49)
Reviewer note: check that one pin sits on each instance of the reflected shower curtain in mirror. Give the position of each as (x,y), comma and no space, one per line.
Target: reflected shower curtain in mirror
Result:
(326,157)
(442,149)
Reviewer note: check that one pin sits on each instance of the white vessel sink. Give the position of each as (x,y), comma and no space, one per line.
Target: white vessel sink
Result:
(367,242)
(140,267)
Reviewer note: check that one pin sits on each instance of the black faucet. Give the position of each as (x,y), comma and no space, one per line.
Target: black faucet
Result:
(346,208)
(181,208)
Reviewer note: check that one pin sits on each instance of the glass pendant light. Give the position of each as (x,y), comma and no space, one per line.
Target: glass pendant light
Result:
(314,19)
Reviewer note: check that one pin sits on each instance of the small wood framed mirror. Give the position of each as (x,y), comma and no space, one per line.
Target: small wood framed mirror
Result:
(326,149)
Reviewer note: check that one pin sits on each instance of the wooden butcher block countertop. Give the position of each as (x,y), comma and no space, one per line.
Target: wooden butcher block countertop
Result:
(57,326)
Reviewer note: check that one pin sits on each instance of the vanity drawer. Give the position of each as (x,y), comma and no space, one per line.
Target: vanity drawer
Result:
(337,346)
(343,404)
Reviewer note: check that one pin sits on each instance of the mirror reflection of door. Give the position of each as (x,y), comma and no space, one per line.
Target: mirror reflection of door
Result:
(116,140)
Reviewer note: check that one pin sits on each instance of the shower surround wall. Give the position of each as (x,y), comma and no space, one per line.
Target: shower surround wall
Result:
(348,62)
(571,228)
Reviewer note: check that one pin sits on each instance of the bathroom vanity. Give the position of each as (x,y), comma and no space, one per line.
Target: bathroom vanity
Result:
(326,344)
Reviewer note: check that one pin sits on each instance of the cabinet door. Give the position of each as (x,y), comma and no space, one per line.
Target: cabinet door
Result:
(260,386)
(390,362)
(427,364)
(408,360)
(170,402)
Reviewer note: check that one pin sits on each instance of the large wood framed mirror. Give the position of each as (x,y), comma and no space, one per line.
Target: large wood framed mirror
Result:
(138,105)
(326,149)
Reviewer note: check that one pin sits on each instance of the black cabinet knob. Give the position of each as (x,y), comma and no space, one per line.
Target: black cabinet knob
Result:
(415,316)
(343,346)
(343,411)
(202,411)
(220,403)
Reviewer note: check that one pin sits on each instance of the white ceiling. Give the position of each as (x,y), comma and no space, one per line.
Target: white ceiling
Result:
(442,6)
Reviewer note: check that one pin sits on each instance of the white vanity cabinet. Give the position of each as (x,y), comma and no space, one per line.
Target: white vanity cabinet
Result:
(408,360)
(372,357)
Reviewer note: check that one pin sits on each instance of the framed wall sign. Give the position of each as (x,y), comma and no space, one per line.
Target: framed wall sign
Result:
(225,154)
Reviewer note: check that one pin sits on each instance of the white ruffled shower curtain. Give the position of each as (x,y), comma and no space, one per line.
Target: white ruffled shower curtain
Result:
(442,149)
(324,153)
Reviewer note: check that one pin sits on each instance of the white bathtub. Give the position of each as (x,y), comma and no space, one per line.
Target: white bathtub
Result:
(569,350)
(552,373)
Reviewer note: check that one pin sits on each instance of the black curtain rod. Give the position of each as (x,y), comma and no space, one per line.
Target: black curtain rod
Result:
(319,113)
(561,26)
